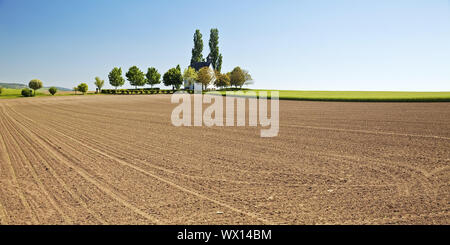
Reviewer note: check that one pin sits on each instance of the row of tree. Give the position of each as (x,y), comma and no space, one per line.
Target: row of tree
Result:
(174,77)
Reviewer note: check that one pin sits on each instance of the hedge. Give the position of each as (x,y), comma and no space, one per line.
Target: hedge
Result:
(142,91)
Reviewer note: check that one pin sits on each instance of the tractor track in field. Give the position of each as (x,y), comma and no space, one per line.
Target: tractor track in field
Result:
(11,129)
(44,160)
(14,181)
(66,160)
(118,159)
(385,167)
(425,173)
(171,183)
(370,132)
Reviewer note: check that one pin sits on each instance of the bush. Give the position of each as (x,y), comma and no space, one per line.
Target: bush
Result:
(83,88)
(26,92)
(1,89)
(52,90)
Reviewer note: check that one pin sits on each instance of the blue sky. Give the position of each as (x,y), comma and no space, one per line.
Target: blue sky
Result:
(401,45)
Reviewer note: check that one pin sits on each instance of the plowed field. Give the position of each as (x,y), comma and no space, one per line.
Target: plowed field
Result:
(119,160)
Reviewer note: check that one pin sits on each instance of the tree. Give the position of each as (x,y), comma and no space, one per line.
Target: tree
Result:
(190,75)
(115,78)
(99,83)
(205,76)
(135,76)
(1,89)
(214,56)
(247,77)
(197,55)
(52,90)
(153,76)
(173,78)
(83,88)
(35,84)
(237,77)
(219,63)
(75,89)
(223,80)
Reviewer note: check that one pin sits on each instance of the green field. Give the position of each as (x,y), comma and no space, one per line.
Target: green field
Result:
(9,93)
(372,96)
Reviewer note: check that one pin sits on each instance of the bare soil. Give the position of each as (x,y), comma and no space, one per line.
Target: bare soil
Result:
(119,160)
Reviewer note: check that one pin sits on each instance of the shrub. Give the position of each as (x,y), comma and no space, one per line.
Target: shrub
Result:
(26,92)
(1,89)
(52,90)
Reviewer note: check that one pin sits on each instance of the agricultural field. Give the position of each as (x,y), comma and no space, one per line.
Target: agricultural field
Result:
(119,160)
(362,96)
(9,93)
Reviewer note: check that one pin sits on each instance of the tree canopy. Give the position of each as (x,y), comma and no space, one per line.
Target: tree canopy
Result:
(173,78)
(237,77)
(205,76)
(135,76)
(35,84)
(190,75)
(99,83)
(83,88)
(219,63)
(52,90)
(115,77)
(223,80)
(153,76)
(197,55)
(214,56)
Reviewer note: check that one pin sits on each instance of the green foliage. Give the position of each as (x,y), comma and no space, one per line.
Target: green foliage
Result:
(190,75)
(135,76)
(52,90)
(219,63)
(35,84)
(153,76)
(197,55)
(26,92)
(83,88)
(205,76)
(247,77)
(1,90)
(237,77)
(223,80)
(214,49)
(115,77)
(173,78)
(99,83)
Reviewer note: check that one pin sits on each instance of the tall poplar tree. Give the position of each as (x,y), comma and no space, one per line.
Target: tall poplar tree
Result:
(197,55)
(214,56)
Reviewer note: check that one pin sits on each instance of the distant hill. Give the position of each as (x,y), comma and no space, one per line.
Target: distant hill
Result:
(21,86)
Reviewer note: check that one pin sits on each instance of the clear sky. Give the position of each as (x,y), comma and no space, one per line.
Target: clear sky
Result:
(305,45)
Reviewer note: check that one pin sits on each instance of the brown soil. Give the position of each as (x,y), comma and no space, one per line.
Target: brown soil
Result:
(119,160)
